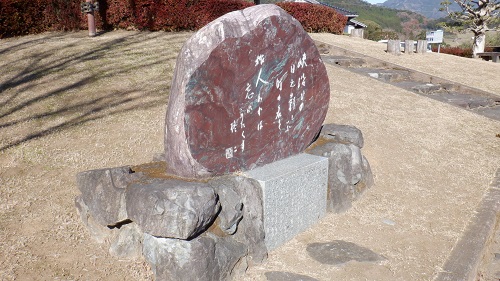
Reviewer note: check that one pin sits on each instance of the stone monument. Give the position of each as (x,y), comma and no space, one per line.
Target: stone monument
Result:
(248,89)
(239,175)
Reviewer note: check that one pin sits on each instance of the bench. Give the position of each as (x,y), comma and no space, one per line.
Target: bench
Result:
(494,56)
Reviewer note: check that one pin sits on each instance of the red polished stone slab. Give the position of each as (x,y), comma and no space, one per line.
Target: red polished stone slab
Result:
(249,89)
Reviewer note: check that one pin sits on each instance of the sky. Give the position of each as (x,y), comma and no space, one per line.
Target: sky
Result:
(375,1)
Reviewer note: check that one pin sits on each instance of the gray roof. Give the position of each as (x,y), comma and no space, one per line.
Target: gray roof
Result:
(355,22)
(342,11)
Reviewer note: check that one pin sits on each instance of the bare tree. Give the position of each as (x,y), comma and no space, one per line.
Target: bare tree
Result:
(476,15)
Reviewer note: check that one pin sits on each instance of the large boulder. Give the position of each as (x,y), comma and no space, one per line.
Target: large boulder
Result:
(172,208)
(242,213)
(343,134)
(100,233)
(207,257)
(249,88)
(103,192)
(349,173)
(124,241)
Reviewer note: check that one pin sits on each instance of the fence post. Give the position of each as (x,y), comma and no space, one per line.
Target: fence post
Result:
(421,46)
(394,47)
(409,47)
(358,32)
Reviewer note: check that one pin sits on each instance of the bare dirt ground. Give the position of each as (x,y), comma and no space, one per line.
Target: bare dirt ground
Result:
(69,103)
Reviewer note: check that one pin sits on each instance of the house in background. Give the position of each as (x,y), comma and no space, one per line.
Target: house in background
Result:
(351,24)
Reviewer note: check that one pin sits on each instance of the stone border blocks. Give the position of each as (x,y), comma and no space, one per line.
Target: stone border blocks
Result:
(465,258)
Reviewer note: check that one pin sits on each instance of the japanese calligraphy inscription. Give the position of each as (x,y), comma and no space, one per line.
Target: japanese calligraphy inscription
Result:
(249,89)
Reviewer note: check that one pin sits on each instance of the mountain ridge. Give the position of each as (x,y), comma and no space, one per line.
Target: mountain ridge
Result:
(427,8)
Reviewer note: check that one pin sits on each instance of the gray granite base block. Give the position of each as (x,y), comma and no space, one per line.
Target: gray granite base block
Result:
(294,194)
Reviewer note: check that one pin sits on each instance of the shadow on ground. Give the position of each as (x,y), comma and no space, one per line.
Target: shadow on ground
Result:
(56,81)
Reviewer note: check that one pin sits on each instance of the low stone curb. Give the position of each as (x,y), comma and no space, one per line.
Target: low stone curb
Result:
(451,92)
(467,255)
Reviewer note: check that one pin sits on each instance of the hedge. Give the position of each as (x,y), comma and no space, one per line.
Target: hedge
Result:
(316,18)
(169,15)
(456,51)
(21,17)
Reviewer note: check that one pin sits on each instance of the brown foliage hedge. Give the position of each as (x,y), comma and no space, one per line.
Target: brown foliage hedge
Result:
(316,18)
(456,51)
(21,17)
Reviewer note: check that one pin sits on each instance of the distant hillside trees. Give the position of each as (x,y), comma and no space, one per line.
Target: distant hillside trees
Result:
(406,24)
(476,15)
(374,31)
(411,24)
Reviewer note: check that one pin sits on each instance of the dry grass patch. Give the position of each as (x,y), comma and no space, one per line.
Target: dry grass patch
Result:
(55,81)
(70,103)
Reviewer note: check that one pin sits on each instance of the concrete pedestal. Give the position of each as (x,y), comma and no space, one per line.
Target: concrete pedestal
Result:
(294,192)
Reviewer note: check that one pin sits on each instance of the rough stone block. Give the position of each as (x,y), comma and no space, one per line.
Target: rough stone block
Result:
(123,242)
(103,192)
(242,212)
(394,47)
(101,234)
(421,46)
(207,258)
(232,209)
(172,208)
(127,242)
(409,47)
(339,252)
(349,173)
(294,195)
(426,88)
(343,134)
